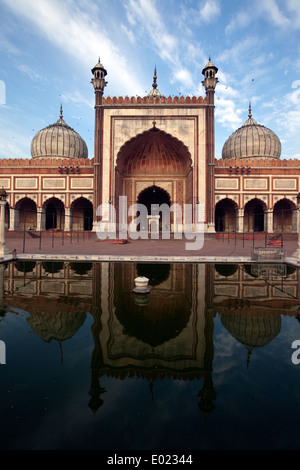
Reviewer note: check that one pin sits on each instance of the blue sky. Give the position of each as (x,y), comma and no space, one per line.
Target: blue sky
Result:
(48,47)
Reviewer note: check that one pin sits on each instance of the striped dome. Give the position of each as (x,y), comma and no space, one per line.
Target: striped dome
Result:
(58,140)
(252,140)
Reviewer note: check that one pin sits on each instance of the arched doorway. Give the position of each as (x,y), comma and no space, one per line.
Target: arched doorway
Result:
(150,198)
(55,213)
(254,216)
(27,214)
(82,214)
(284,216)
(225,216)
(154,161)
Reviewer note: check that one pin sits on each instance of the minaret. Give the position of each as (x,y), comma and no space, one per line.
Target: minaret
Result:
(99,84)
(210,81)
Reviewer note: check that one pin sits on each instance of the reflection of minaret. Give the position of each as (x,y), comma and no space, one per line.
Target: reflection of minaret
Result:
(2,295)
(97,357)
(208,394)
(151,387)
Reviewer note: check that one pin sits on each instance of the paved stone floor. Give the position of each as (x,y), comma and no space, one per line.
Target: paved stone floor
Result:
(87,246)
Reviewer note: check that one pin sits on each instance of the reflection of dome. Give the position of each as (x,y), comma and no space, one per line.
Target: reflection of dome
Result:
(160,320)
(252,330)
(59,326)
(58,140)
(252,140)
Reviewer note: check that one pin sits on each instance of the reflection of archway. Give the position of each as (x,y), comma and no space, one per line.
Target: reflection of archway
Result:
(284,216)
(81,268)
(82,214)
(154,159)
(160,320)
(254,216)
(226,270)
(167,308)
(225,216)
(156,273)
(27,213)
(55,213)
(25,266)
(53,267)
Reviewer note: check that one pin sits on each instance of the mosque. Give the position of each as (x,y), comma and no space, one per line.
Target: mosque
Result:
(153,149)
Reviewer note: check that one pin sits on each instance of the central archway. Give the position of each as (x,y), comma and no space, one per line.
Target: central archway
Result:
(154,168)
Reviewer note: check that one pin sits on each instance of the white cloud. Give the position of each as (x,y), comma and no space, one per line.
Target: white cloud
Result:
(272,12)
(77,98)
(240,20)
(184,76)
(76,33)
(129,33)
(227,114)
(32,74)
(210,10)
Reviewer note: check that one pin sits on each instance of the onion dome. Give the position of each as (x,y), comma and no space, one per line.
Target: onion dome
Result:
(58,140)
(252,140)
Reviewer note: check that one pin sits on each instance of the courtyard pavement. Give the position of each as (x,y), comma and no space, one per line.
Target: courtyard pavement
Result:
(86,246)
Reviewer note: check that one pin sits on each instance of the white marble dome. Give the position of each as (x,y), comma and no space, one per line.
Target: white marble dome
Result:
(252,140)
(58,140)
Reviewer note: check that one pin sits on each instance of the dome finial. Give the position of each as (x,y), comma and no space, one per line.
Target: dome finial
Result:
(250,114)
(61,111)
(154,84)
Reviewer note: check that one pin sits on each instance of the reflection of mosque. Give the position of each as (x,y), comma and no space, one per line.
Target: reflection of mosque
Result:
(167,333)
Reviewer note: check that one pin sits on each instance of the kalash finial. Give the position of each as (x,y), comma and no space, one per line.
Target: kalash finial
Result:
(250,114)
(61,112)
(154,84)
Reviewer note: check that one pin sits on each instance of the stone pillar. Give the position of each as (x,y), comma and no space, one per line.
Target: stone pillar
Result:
(240,220)
(269,221)
(13,219)
(3,248)
(68,221)
(41,220)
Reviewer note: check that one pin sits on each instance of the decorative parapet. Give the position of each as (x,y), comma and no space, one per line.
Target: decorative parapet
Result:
(45,162)
(152,100)
(257,163)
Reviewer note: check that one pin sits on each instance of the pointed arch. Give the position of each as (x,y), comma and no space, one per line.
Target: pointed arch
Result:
(254,215)
(284,216)
(54,213)
(82,214)
(225,215)
(27,214)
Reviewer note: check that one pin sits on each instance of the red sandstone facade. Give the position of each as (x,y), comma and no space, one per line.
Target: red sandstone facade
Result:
(151,149)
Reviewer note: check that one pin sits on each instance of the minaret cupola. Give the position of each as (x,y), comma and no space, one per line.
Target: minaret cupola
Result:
(99,74)
(210,80)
